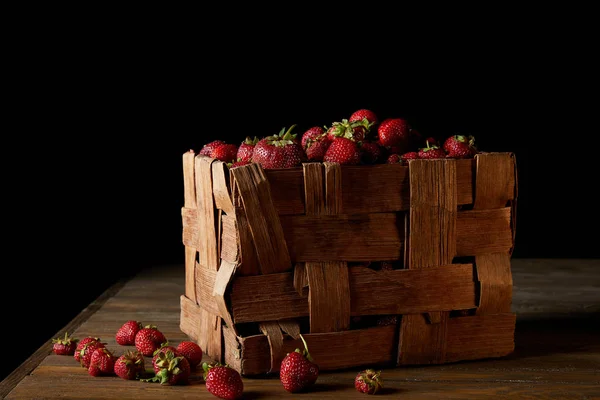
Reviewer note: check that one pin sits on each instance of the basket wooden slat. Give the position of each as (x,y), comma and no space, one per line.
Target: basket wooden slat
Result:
(295,251)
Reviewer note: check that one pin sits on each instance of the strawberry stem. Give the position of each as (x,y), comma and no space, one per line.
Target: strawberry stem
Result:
(305,352)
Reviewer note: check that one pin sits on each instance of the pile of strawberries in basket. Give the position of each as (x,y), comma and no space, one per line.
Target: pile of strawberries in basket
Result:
(172,364)
(360,139)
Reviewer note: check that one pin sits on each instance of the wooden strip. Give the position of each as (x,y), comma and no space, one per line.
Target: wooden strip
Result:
(373,347)
(210,338)
(222,281)
(433,209)
(221,189)
(287,190)
(482,336)
(207,243)
(314,188)
(407,291)
(190,318)
(494,180)
(495,277)
(248,258)
(205,282)
(229,239)
(357,237)
(333,188)
(300,279)
(274,335)
(253,298)
(291,327)
(444,288)
(328,296)
(232,349)
(189,222)
(267,233)
(483,231)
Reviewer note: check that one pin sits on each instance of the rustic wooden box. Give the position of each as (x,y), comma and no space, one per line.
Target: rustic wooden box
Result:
(270,254)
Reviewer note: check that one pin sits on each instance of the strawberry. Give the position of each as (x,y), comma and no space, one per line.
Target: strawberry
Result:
(148,340)
(343,151)
(316,149)
(130,365)
(394,159)
(223,381)
(431,152)
(192,351)
(393,132)
(83,353)
(311,134)
(125,335)
(298,370)
(364,113)
(174,370)
(245,149)
(282,150)
(64,346)
(411,155)
(357,130)
(208,147)
(164,347)
(226,152)
(102,362)
(371,152)
(460,146)
(368,381)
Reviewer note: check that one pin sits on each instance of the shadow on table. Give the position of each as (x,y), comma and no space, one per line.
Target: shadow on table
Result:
(556,334)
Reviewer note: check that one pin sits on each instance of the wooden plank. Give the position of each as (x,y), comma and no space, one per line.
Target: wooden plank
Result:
(357,237)
(328,296)
(207,243)
(482,336)
(190,318)
(495,180)
(373,346)
(333,188)
(495,281)
(267,233)
(205,281)
(314,184)
(222,281)
(190,222)
(229,239)
(483,231)
(433,233)
(300,279)
(221,187)
(287,190)
(272,331)
(233,349)
(248,259)
(448,287)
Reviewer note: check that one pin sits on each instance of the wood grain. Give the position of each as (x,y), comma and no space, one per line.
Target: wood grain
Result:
(189,214)
(221,187)
(229,239)
(208,256)
(267,234)
(328,296)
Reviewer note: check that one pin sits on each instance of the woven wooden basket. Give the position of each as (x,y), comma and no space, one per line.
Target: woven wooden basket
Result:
(271,254)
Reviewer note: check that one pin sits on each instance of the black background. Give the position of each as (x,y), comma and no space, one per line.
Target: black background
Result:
(93,181)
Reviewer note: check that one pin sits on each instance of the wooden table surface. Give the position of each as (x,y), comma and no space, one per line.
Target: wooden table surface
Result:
(557,347)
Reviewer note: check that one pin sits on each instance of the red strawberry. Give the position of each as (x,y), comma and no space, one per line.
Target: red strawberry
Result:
(223,381)
(343,151)
(174,370)
(431,152)
(130,365)
(394,159)
(298,370)
(125,335)
(149,339)
(279,151)
(102,362)
(460,146)
(368,381)
(208,147)
(316,149)
(83,352)
(393,132)
(411,155)
(371,152)
(192,351)
(163,349)
(245,149)
(226,152)
(357,130)
(364,113)
(64,346)
(311,134)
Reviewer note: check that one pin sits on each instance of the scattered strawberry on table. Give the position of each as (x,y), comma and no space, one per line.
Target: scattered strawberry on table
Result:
(361,139)
(130,365)
(368,381)
(149,339)
(222,381)
(125,336)
(64,346)
(298,370)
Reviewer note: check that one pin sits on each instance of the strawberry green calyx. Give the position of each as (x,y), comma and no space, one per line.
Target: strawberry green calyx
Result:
(283,138)
(465,139)
(251,141)
(372,379)
(430,146)
(67,340)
